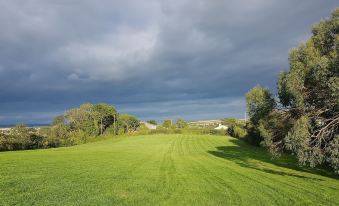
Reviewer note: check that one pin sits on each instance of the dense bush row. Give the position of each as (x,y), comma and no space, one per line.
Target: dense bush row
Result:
(76,126)
(22,137)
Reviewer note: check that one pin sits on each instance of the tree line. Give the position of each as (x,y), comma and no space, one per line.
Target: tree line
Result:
(75,126)
(303,118)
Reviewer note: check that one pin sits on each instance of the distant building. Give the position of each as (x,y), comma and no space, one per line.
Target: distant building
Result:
(5,130)
(205,123)
(220,127)
(149,126)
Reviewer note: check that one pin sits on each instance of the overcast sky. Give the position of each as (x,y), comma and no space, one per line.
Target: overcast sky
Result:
(155,59)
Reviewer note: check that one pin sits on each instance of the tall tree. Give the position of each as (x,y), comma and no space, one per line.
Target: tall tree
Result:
(260,103)
(105,114)
(310,92)
(306,119)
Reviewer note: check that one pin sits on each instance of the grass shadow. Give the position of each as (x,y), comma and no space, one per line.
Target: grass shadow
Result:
(242,154)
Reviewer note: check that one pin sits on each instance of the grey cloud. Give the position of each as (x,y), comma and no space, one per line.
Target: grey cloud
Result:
(146,56)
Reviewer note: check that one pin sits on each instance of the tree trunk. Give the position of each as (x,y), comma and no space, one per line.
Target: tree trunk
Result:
(115,125)
(101,127)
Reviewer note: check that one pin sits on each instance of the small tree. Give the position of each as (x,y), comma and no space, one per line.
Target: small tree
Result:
(167,123)
(181,123)
(84,119)
(105,114)
(260,103)
(128,122)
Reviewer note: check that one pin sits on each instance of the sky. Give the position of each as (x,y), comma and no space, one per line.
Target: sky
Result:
(156,59)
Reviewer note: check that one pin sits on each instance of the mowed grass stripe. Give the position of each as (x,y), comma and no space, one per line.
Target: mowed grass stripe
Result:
(232,175)
(160,170)
(270,181)
(289,185)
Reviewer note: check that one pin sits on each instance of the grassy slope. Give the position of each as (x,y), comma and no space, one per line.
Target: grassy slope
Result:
(159,169)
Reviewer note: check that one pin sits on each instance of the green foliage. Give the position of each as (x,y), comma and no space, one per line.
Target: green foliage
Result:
(272,129)
(75,138)
(58,120)
(91,119)
(76,126)
(332,153)
(167,123)
(128,122)
(105,116)
(232,121)
(83,118)
(312,83)
(298,142)
(152,121)
(58,136)
(236,127)
(310,91)
(260,103)
(21,137)
(143,130)
(181,123)
(306,120)
(237,131)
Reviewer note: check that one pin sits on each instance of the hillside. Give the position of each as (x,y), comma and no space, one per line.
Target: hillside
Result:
(160,169)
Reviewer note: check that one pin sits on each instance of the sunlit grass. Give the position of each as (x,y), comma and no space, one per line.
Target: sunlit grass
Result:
(160,170)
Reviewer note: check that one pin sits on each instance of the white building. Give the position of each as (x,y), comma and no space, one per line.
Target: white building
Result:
(149,126)
(220,127)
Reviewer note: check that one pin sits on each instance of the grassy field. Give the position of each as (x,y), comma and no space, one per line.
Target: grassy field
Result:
(160,170)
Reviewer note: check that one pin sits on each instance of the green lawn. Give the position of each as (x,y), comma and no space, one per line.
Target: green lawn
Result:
(160,170)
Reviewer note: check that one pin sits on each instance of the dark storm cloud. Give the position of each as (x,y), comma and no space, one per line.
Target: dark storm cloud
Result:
(155,59)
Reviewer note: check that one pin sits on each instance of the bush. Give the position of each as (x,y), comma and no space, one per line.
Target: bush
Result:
(75,138)
(20,138)
(237,132)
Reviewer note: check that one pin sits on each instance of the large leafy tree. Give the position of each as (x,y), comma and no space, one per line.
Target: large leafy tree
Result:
(310,92)
(306,119)
(91,118)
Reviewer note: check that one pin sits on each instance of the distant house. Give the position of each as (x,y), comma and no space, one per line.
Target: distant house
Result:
(220,127)
(204,123)
(149,126)
(5,130)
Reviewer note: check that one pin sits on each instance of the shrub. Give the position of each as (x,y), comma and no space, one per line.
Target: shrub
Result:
(237,132)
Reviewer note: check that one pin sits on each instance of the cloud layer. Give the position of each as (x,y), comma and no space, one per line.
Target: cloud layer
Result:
(155,59)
